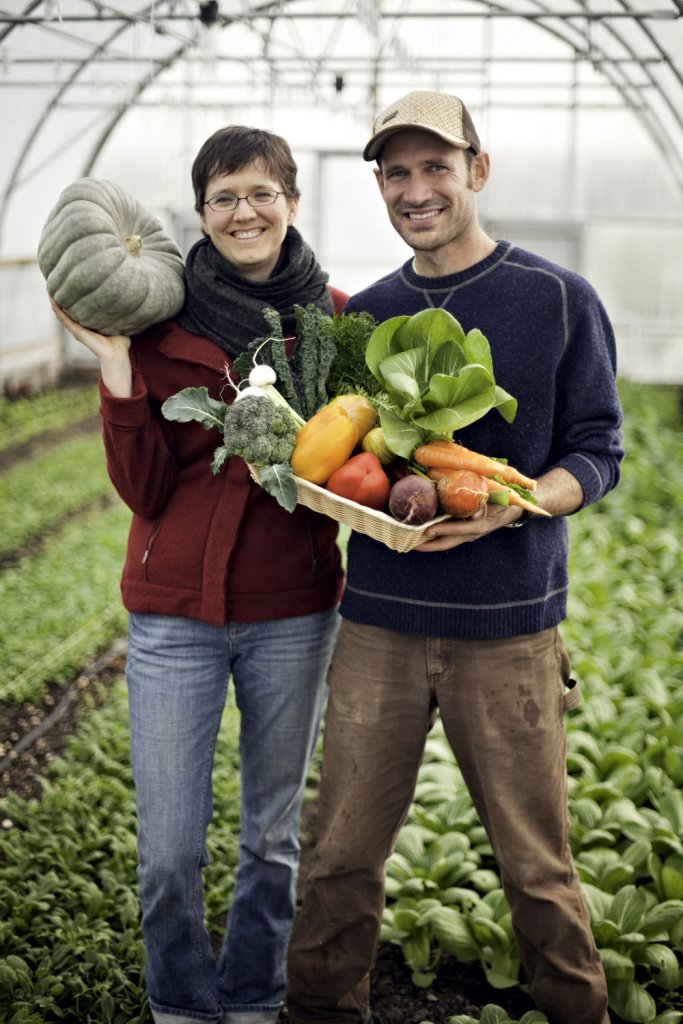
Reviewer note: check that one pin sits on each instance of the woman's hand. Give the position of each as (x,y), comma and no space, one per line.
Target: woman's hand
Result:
(112,351)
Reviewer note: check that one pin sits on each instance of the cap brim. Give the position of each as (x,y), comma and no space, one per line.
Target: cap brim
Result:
(376,143)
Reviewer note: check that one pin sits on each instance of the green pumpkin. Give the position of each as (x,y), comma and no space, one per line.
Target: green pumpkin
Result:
(108,262)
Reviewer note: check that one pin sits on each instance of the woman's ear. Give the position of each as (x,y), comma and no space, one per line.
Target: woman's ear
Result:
(292,207)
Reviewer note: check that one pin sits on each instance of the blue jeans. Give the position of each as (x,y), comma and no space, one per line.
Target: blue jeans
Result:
(178,671)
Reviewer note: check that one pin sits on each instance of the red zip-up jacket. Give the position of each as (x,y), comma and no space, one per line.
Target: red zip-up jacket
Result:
(212,547)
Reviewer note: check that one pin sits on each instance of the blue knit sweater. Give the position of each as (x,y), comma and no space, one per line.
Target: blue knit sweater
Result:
(553,349)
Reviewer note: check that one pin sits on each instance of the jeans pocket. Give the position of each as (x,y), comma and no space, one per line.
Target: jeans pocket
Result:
(572,695)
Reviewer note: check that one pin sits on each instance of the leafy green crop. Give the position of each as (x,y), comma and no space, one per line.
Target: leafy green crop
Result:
(69,918)
(437,378)
(36,495)
(62,606)
(349,372)
(625,750)
(301,380)
(41,414)
(492,1014)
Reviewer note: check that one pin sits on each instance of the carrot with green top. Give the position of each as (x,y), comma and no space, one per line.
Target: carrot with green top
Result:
(449,455)
(492,486)
(514,498)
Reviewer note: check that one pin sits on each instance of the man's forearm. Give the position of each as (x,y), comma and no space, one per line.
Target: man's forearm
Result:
(559,492)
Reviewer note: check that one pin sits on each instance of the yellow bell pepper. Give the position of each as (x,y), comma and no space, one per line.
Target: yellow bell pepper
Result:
(324,444)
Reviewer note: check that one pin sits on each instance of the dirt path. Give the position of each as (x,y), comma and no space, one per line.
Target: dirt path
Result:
(33,735)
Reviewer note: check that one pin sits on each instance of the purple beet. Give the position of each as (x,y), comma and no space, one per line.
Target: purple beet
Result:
(413,500)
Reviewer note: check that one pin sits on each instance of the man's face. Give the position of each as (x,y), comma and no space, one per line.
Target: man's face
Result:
(430,191)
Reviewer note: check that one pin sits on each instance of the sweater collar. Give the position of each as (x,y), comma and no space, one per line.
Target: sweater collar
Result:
(499,254)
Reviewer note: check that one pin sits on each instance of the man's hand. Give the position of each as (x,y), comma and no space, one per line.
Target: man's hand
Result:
(452,532)
(557,491)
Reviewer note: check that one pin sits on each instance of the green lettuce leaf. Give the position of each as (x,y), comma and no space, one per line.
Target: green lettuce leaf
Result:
(400,435)
(505,404)
(436,378)
(381,345)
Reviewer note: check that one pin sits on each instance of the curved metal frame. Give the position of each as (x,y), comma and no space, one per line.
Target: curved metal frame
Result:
(571,28)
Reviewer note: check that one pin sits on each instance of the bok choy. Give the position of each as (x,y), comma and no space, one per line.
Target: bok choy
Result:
(436,378)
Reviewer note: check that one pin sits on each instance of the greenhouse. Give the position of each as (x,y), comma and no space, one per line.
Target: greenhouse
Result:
(291,730)
(580,104)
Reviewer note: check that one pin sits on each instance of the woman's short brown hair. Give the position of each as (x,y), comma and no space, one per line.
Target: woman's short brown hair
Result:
(231,148)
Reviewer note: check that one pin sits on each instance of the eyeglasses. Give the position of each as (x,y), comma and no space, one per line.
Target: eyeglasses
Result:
(225,203)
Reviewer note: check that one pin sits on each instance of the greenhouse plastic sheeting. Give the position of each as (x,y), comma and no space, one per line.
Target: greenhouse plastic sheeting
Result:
(579,102)
(73,72)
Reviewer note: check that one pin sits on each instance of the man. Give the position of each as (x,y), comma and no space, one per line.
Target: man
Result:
(468,622)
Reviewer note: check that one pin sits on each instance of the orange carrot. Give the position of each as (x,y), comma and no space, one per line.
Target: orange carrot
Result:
(514,498)
(493,485)
(449,455)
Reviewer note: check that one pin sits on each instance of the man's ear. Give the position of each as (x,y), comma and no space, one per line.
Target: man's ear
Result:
(479,170)
(377,171)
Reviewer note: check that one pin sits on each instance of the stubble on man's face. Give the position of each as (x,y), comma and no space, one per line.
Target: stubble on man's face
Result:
(428,189)
(454,222)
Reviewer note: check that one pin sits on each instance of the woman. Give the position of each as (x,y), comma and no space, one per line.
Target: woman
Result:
(219,581)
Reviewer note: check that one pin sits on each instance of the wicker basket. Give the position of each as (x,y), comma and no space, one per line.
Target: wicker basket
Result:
(377,525)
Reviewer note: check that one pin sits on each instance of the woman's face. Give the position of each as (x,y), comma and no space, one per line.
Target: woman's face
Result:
(248,237)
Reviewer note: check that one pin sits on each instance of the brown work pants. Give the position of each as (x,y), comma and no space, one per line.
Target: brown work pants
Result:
(502,703)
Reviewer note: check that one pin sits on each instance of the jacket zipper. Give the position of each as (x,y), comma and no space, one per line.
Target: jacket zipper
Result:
(314,548)
(151,539)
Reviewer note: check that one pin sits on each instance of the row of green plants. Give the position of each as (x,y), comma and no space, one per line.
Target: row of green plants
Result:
(62,544)
(40,415)
(37,496)
(70,942)
(67,861)
(61,605)
(625,759)
(445,898)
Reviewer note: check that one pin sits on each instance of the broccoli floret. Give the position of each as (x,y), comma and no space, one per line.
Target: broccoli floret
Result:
(259,431)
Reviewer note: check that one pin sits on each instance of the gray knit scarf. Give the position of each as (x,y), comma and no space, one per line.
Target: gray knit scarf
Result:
(221,305)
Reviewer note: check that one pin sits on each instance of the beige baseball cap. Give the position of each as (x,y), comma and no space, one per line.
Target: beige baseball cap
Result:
(436,112)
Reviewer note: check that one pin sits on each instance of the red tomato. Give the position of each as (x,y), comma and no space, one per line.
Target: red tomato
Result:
(362,479)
